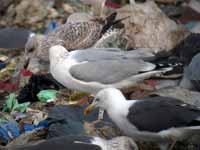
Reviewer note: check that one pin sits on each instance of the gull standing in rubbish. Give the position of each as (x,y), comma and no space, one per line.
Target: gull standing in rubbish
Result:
(157,119)
(92,70)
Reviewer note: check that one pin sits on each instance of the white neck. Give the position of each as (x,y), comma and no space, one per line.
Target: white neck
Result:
(117,105)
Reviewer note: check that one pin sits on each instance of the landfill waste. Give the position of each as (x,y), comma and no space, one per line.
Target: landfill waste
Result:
(28,127)
(8,131)
(36,84)
(52,25)
(47,95)
(13,105)
(36,109)
(69,120)
(81,142)
(151,28)
(65,120)
(28,137)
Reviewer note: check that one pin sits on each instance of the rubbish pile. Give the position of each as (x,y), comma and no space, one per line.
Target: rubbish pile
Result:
(57,57)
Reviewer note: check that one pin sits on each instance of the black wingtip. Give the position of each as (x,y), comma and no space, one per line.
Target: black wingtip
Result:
(111,18)
(111,21)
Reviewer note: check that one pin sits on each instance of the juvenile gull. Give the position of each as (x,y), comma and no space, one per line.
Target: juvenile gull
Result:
(75,35)
(157,119)
(82,143)
(92,70)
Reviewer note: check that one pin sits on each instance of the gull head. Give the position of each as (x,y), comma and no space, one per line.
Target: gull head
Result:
(57,52)
(105,99)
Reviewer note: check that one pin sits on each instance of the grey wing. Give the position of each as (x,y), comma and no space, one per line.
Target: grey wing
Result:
(109,71)
(94,54)
(161,113)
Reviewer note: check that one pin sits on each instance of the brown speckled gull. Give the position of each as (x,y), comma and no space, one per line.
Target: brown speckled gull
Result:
(76,35)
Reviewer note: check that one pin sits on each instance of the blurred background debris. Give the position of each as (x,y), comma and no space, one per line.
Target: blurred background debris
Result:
(35,107)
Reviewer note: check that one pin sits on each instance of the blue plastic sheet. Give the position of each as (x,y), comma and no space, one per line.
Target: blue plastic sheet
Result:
(8,131)
(52,25)
(30,127)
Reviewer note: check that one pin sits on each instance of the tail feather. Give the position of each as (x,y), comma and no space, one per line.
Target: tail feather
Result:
(174,63)
(111,21)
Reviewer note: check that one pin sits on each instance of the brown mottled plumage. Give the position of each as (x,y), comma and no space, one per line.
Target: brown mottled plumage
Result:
(71,36)
(77,35)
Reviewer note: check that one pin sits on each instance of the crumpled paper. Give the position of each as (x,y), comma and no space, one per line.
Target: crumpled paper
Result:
(149,27)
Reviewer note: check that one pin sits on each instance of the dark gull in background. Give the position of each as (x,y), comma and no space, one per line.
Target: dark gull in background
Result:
(82,143)
(191,77)
(188,48)
(14,38)
(92,70)
(158,119)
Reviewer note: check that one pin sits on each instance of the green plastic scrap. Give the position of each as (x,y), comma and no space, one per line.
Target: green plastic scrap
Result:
(46,95)
(13,105)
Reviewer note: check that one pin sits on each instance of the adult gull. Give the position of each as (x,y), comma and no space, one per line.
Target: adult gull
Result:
(92,70)
(158,119)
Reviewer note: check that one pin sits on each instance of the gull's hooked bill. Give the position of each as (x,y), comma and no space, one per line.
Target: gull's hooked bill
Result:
(89,109)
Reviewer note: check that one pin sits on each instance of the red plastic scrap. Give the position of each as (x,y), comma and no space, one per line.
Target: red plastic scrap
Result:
(13,86)
(26,73)
(8,86)
(112,5)
(151,82)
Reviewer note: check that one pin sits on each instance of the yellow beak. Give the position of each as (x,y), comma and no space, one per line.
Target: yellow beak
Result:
(89,109)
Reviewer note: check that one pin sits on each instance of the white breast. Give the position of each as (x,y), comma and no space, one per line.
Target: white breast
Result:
(119,117)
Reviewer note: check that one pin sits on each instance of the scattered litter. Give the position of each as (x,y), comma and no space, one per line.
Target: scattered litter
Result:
(65,120)
(52,25)
(36,83)
(28,127)
(8,131)
(47,95)
(36,108)
(13,105)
